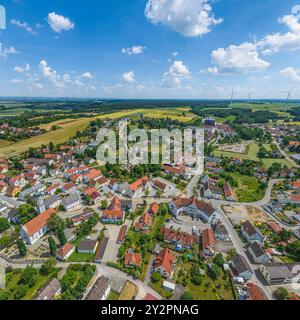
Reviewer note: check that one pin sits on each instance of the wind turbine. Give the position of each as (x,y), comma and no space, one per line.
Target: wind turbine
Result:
(249,96)
(232,96)
(289,94)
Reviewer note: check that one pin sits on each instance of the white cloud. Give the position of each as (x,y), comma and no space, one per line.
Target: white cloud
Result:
(51,75)
(16,81)
(59,23)
(4,52)
(289,41)
(87,75)
(134,50)
(22,69)
(129,76)
(178,70)
(23,25)
(290,74)
(234,59)
(191,18)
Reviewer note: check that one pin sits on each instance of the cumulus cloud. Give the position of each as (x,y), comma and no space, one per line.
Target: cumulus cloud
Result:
(23,25)
(59,23)
(237,59)
(87,75)
(134,50)
(178,70)
(289,41)
(22,69)
(191,18)
(4,52)
(290,73)
(129,76)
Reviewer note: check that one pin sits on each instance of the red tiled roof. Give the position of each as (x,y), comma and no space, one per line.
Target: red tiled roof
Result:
(165,259)
(274,226)
(296,184)
(133,259)
(139,183)
(200,204)
(38,222)
(65,249)
(93,174)
(208,239)
(255,292)
(154,207)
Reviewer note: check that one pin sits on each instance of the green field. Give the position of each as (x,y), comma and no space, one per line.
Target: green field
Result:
(81,257)
(248,188)
(252,155)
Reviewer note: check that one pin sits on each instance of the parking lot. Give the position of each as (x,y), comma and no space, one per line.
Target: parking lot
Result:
(111,252)
(186,224)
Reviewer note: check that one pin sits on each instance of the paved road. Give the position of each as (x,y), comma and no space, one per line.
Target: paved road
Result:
(286,156)
(239,246)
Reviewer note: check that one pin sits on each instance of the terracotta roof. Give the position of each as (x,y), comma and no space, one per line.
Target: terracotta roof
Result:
(173,170)
(165,259)
(208,239)
(64,250)
(228,190)
(200,204)
(90,191)
(255,292)
(69,185)
(154,207)
(93,174)
(38,222)
(275,227)
(296,184)
(176,235)
(139,183)
(160,185)
(133,259)
(295,197)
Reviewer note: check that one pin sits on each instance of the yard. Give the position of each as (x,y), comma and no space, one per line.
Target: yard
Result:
(81,257)
(13,291)
(208,289)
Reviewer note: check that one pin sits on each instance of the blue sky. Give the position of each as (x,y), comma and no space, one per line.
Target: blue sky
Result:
(150,48)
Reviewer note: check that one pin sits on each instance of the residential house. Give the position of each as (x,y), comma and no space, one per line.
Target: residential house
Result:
(114,213)
(250,233)
(276,274)
(179,238)
(221,233)
(65,251)
(50,291)
(257,253)
(208,242)
(255,293)
(154,208)
(100,290)
(164,263)
(275,227)
(229,193)
(241,268)
(132,259)
(144,223)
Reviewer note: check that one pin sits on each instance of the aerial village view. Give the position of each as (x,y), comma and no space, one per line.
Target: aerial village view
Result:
(75,228)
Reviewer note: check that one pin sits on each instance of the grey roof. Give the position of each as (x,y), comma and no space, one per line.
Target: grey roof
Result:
(240,264)
(73,197)
(220,229)
(69,234)
(257,250)
(248,228)
(87,245)
(49,201)
(279,271)
(30,191)
(98,290)
(50,290)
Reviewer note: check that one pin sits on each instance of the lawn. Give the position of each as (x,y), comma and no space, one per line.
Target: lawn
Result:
(250,155)
(113,296)
(81,257)
(159,289)
(248,188)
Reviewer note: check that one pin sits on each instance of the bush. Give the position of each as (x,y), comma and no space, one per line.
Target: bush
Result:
(281,294)
(197,280)
(187,295)
(156,277)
